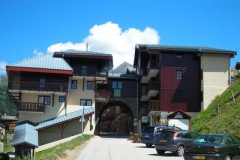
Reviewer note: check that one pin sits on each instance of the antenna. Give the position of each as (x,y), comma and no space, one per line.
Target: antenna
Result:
(87,47)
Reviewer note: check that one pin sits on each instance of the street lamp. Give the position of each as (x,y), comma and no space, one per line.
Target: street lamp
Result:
(82,118)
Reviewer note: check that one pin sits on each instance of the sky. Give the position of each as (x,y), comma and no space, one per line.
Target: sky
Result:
(30,28)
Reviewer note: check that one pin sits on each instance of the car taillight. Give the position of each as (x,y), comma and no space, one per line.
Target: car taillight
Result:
(174,134)
(188,149)
(212,150)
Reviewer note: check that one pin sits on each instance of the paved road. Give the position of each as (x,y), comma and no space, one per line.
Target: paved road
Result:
(120,148)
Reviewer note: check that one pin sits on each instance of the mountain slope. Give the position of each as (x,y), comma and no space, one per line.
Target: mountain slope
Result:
(228,119)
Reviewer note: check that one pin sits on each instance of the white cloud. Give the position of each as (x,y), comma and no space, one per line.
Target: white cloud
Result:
(37,53)
(3,67)
(109,38)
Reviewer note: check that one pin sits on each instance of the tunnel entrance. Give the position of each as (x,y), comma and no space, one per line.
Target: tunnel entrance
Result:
(116,119)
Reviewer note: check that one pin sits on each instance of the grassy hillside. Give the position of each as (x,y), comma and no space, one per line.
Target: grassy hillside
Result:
(229,113)
(6,107)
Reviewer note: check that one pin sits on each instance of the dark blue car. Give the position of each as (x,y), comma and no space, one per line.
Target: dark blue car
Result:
(149,133)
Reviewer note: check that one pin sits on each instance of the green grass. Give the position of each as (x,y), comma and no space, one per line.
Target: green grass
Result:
(228,120)
(59,150)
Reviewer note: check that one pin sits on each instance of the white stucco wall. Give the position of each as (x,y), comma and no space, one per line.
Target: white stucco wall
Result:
(73,102)
(216,73)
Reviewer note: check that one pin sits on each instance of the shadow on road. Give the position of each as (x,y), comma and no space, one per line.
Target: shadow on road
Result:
(114,135)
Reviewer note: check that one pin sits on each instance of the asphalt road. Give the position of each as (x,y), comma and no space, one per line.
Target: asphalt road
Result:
(120,148)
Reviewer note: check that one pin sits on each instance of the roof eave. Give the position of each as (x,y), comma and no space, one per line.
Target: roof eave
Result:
(39,70)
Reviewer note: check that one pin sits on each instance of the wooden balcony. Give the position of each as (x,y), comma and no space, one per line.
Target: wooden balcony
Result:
(103,94)
(96,73)
(36,86)
(154,105)
(31,107)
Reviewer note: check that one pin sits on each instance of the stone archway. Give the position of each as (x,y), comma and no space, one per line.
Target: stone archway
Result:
(122,122)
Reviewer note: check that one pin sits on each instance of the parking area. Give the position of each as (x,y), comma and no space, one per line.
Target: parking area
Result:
(120,148)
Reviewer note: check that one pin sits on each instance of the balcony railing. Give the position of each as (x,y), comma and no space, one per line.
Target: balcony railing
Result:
(31,107)
(36,86)
(97,73)
(154,105)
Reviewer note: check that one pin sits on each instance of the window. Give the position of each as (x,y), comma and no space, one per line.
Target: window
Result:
(179,56)
(74,84)
(144,90)
(117,86)
(85,102)
(84,69)
(89,85)
(42,83)
(44,99)
(144,111)
(61,99)
(114,84)
(179,74)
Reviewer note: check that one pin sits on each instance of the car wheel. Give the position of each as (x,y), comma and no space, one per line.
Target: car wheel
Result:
(149,145)
(180,151)
(227,157)
(160,151)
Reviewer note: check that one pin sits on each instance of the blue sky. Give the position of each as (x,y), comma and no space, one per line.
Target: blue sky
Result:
(32,27)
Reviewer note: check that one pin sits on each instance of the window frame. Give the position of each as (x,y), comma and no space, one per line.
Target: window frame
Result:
(89,85)
(84,70)
(61,99)
(46,100)
(72,84)
(88,102)
(179,74)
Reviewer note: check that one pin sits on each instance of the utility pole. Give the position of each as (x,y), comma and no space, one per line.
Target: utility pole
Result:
(217,113)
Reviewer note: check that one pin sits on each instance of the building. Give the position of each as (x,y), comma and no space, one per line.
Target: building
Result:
(53,91)
(182,78)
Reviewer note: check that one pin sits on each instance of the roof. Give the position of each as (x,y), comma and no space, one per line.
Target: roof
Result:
(78,52)
(186,48)
(45,61)
(64,118)
(25,134)
(179,114)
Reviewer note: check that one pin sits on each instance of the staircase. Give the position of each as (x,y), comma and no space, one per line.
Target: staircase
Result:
(15,97)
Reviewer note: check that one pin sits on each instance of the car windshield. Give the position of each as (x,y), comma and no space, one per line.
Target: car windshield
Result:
(209,139)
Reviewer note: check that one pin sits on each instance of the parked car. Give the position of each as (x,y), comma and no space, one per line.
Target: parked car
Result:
(174,141)
(214,146)
(149,133)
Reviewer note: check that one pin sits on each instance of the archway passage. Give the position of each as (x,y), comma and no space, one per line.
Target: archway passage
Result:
(115,118)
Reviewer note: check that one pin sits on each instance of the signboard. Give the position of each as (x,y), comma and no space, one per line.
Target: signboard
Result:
(144,119)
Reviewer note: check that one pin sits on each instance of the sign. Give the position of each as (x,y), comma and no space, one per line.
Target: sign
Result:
(82,119)
(144,119)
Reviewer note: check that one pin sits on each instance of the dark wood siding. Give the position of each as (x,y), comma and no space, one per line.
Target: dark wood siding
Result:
(49,78)
(129,87)
(185,93)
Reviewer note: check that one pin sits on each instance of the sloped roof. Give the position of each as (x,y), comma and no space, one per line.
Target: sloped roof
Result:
(25,134)
(78,52)
(64,118)
(186,48)
(45,61)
